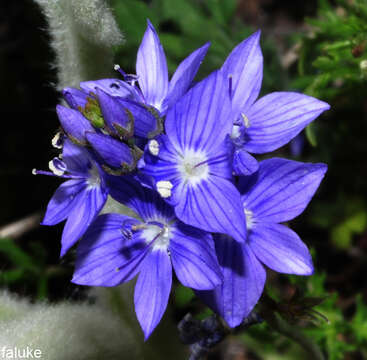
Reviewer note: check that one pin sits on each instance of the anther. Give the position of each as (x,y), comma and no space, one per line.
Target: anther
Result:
(54,169)
(153,147)
(164,188)
(57,141)
(246,120)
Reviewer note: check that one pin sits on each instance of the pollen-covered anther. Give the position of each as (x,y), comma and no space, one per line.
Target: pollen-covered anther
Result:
(94,179)
(164,188)
(138,227)
(246,121)
(153,147)
(57,141)
(236,132)
(54,169)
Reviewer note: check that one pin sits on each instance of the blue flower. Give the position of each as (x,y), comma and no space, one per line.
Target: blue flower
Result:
(279,192)
(191,165)
(155,94)
(116,248)
(152,72)
(78,200)
(262,125)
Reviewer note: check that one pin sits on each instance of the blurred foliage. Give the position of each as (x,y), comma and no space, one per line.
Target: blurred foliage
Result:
(185,26)
(332,66)
(26,268)
(318,316)
(338,337)
(332,57)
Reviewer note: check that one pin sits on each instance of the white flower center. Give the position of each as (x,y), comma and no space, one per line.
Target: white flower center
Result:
(193,166)
(236,129)
(94,178)
(160,235)
(236,132)
(249,219)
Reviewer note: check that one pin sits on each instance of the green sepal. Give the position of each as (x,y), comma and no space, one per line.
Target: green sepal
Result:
(159,122)
(128,132)
(93,113)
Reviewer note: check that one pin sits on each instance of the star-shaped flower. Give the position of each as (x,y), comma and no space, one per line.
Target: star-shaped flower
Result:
(191,165)
(262,125)
(116,248)
(279,192)
(78,200)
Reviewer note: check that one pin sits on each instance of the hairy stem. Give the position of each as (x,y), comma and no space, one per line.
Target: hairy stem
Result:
(83,35)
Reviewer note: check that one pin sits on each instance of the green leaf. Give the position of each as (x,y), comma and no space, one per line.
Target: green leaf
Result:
(342,234)
(11,276)
(183,296)
(132,16)
(222,11)
(311,135)
(17,256)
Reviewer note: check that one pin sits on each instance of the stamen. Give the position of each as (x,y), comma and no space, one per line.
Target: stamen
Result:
(138,227)
(246,120)
(49,173)
(153,147)
(57,141)
(94,179)
(156,223)
(118,68)
(201,163)
(236,132)
(249,219)
(164,188)
(57,166)
(127,77)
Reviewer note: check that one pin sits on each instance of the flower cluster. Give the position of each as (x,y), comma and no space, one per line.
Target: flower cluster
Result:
(178,154)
